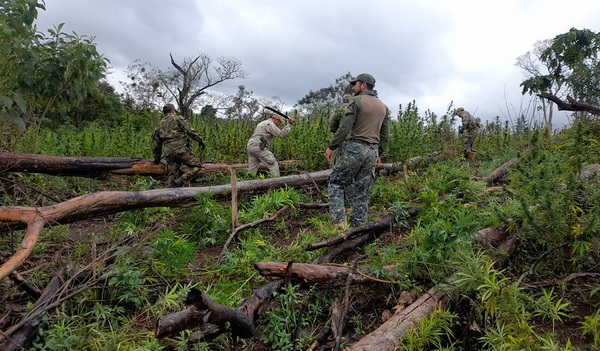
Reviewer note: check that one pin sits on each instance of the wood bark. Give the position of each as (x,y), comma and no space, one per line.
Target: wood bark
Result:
(323,276)
(21,338)
(108,202)
(571,105)
(205,311)
(499,172)
(98,166)
(387,336)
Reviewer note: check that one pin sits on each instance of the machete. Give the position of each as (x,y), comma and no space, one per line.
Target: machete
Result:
(277,112)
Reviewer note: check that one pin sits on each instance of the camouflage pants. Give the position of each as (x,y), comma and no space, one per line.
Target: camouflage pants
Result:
(354,166)
(349,190)
(256,156)
(176,177)
(468,138)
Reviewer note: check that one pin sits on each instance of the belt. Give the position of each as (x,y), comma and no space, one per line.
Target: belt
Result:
(361,142)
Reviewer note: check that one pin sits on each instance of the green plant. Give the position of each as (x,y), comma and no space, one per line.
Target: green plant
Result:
(434,331)
(591,326)
(172,252)
(545,307)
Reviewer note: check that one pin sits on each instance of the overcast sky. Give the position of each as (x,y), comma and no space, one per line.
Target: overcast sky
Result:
(432,51)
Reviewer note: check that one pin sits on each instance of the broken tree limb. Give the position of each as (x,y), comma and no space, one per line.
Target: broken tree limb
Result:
(571,105)
(202,311)
(325,276)
(499,172)
(109,202)
(377,227)
(387,337)
(249,225)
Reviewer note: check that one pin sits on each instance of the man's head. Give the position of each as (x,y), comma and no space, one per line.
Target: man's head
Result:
(168,108)
(277,118)
(362,82)
(347,98)
(459,111)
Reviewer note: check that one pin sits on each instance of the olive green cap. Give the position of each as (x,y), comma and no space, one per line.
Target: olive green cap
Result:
(363,77)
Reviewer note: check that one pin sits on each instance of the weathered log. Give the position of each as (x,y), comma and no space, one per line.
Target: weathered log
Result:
(499,172)
(108,202)
(323,276)
(97,166)
(203,311)
(387,336)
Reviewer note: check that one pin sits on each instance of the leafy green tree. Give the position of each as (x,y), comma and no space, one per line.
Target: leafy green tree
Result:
(43,74)
(325,100)
(572,62)
(534,67)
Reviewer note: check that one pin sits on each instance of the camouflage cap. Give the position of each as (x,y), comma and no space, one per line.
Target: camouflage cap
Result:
(363,77)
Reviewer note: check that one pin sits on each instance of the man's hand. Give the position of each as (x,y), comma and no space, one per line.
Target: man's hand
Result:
(202,145)
(291,120)
(328,154)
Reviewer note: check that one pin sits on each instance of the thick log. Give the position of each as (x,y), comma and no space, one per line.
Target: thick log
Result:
(97,166)
(387,336)
(108,202)
(204,311)
(323,276)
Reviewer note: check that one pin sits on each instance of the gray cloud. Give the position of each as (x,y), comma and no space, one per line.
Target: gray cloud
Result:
(429,51)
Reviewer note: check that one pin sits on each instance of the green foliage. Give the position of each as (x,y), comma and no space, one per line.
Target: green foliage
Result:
(281,330)
(591,327)
(172,253)
(431,332)
(546,307)
(264,206)
(127,284)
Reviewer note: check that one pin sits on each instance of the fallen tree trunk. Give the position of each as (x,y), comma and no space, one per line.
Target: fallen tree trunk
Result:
(387,336)
(97,166)
(323,276)
(108,202)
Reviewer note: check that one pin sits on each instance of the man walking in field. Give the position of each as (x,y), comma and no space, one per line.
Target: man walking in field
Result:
(361,138)
(174,134)
(468,129)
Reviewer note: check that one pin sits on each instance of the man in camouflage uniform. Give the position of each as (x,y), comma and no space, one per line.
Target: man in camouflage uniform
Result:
(174,134)
(468,129)
(362,137)
(258,144)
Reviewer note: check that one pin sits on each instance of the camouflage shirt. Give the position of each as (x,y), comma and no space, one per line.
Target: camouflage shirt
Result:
(469,123)
(173,133)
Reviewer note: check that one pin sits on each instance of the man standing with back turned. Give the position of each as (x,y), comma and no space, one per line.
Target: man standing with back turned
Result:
(174,134)
(362,137)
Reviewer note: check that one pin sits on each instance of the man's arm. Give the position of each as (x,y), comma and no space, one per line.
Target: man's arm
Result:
(156,147)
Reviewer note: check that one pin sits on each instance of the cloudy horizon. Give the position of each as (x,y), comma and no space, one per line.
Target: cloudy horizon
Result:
(432,52)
